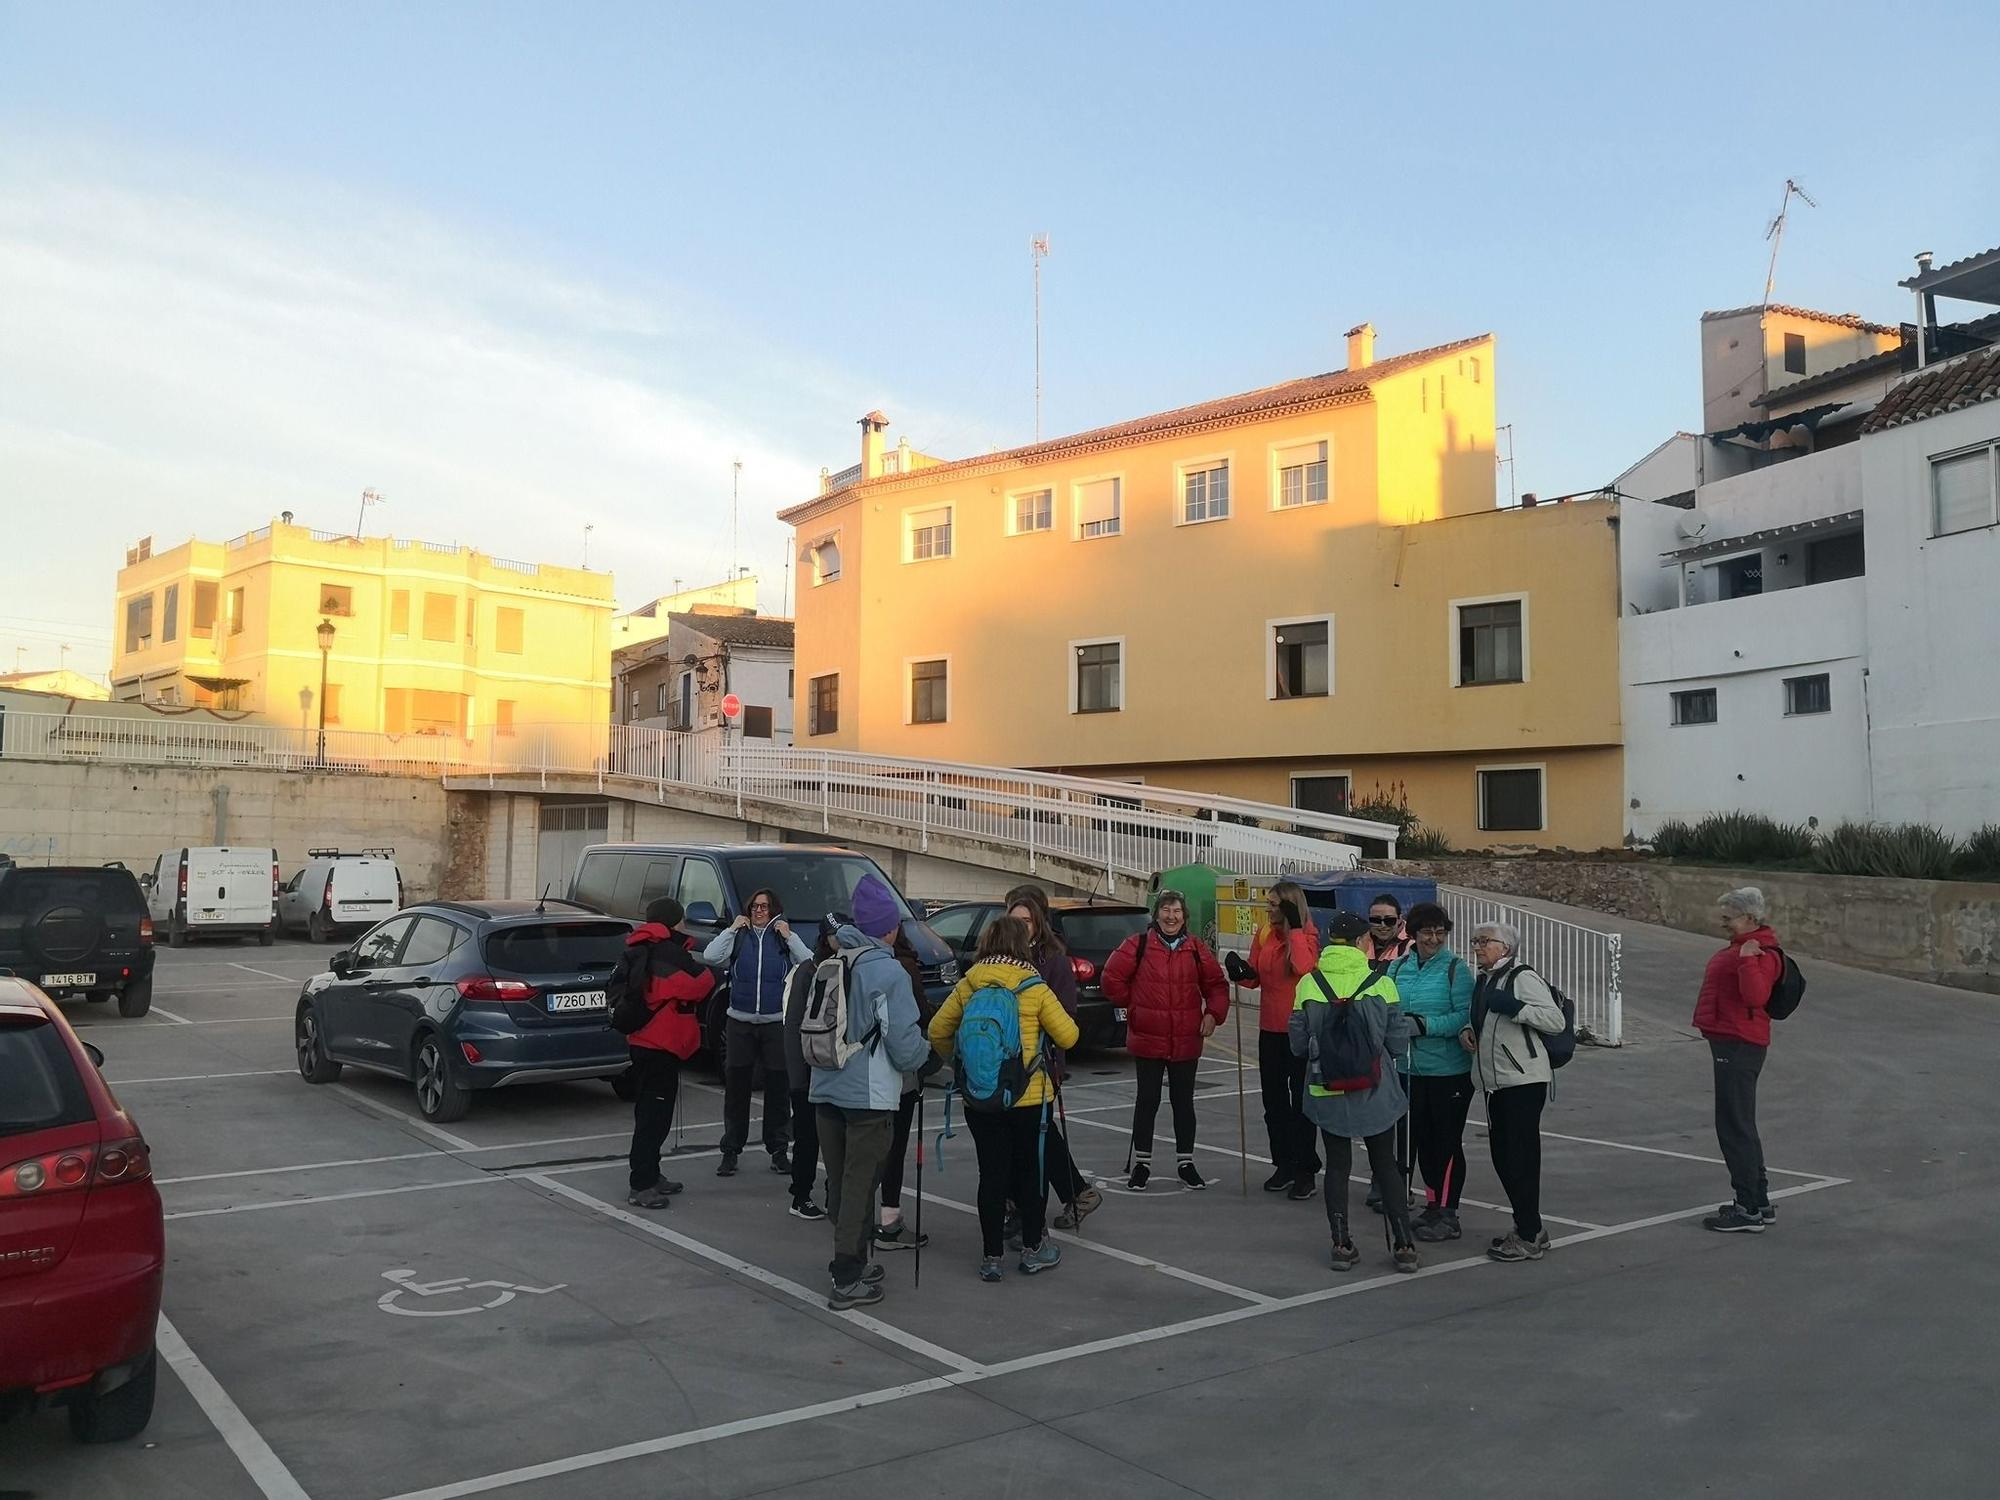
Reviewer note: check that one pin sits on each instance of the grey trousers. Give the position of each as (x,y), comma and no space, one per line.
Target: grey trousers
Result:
(854,1144)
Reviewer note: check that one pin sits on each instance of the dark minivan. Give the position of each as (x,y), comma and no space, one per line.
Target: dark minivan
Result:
(1090,930)
(78,930)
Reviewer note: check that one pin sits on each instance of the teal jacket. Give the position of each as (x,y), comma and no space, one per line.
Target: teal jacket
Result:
(1440,994)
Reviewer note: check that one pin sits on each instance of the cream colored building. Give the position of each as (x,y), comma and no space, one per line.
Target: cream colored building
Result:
(427,638)
(61,682)
(1301,594)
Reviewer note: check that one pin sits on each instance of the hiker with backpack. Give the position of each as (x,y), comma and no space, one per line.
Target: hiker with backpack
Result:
(999,1021)
(1286,949)
(1518,1024)
(758,951)
(859,1034)
(798,1077)
(1046,950)
(1436,989)
(1174,995)
(656,993)
(1734,1013)
(1347,1022)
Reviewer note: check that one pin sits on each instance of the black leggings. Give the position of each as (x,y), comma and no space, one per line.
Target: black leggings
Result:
(1008,1142)
(656,1083)
(1437,1119)
(1514,1132)
(899,1148)
(1340,1161)
(1180,1091)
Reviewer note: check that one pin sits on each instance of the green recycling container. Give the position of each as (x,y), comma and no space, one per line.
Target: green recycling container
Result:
(1200,885)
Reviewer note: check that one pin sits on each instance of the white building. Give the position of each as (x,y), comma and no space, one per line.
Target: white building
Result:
(1802,588)
(680,680)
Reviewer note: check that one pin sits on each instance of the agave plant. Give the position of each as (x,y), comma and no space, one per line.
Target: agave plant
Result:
(1907,851)
(1981,855)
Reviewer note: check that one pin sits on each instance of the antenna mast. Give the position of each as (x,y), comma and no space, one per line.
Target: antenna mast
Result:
(1776,233)
(735,486)
(1038,248)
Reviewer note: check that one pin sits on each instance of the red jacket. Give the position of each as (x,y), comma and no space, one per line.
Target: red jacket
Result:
(1735,990)
(676,984)
(1276,988)
(1166,991)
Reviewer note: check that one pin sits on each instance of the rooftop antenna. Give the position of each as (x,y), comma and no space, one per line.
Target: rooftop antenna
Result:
(1038,249)
(588,527)
(368,498)
(1776,233)
(1508,428)
(735,486)
(542,905)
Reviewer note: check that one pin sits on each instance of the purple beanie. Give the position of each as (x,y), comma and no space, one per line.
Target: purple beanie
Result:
(875,908)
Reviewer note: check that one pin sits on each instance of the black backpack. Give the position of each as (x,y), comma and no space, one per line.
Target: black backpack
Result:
(1788,991)
(1342,1056)
(1560,1046)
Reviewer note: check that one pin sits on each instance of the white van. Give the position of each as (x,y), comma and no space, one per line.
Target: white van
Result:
(339,893)
(213,892)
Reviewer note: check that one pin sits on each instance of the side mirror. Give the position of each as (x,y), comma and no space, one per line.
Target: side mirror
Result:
(95,1055)
(342,963)
(146,883)
(704,913)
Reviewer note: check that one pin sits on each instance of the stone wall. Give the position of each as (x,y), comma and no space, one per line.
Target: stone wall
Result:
(1944,931)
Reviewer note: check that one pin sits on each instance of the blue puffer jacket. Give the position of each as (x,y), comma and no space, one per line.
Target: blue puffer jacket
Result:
(758,960)
(1440,992)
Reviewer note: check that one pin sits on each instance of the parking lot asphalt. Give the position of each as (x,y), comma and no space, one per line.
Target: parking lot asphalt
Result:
(361,1306)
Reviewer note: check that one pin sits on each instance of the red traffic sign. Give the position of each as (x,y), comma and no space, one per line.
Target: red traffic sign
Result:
(731,705)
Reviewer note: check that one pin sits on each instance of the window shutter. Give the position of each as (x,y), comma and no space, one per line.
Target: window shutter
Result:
(1097,501)
(1300,454)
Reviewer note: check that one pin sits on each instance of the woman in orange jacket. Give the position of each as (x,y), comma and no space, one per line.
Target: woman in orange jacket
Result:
(1287,946)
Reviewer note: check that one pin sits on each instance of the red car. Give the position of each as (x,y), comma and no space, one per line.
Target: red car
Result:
(82,1241)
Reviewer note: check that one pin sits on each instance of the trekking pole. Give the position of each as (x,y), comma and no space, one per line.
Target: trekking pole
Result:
(917,1279)
(947,1133)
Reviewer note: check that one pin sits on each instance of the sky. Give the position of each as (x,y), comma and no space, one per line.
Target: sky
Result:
(527,269)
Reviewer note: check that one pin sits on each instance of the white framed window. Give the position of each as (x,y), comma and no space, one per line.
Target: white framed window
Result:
(1963,489)
(1694,706)
(1298,657)
(1323,791)
(1204,490)
(1300,473)
(1489,639)
(1097,675)
(1513,799)
(927,689)
(1030,511)
(822,560)
(1099,506)
(1809,695)
(927,533)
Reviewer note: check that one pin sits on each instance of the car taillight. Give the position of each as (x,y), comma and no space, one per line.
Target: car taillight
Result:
(275,882)
(472,1053)
(145,929)
(1083,968)
(326,895)
(184,880)
(129,1160)
(38,1176)
(507,991)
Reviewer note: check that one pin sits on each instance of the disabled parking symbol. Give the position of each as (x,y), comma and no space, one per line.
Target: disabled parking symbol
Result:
(459,1290)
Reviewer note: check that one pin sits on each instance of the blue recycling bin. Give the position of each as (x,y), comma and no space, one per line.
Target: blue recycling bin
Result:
(1356,890)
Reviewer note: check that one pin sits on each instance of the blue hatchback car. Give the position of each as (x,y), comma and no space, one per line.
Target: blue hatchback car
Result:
(455,997)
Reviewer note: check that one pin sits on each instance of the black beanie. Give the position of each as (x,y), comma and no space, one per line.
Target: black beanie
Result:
(666,911)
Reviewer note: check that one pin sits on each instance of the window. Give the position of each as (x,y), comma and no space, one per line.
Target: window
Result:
(955,926)
(336,599)
(1795,354)
(203,622)
(399,612)
(1301,475)
(1491,643)
(1097,508)
(929,691)
(1323,794)
(1302,659)
(927,534)
(660,698)
(1696,706)
(44,1089)
(824,559)
(379,948)
(1809,695)
(823,713)
(170,611)
(508,627)
(1740,577)
(1835,557)
(632,707)
(236,611)
(139,622)
(333,703)
(432,940)
(503,717)
(440,617)
(701,884)
(1510,799)
(433,712)
(686,714)
(1099,684)
(788,684)
(756,722)
(395,710)
(1962,492)
(1205,492)
(1033,510)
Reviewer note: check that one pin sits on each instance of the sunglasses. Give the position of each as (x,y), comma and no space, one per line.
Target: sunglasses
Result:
(1383,921)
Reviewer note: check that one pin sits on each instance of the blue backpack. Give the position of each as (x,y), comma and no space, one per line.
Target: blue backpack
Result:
(992,1074)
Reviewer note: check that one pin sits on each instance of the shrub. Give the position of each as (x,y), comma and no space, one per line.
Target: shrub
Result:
(1980,857)
(1390,804)
(1740,838)
(1424,843)
(1907,851)
(1673,840)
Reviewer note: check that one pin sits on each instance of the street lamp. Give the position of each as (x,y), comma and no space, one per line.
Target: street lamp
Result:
(325,650)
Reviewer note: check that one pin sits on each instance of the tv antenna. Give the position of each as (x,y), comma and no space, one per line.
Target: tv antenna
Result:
(1038,249)
(1776,233)
(735,485)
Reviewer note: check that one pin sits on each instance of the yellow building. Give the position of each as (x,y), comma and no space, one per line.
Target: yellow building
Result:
(427,638)
(1301,595)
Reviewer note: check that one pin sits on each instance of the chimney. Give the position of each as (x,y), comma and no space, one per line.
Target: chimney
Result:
(871,444)
(1361,346)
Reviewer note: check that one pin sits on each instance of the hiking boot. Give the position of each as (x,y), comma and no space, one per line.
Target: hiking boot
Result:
(1436,1227)
(1190,1177)
(898,1236)
(1543,1242)
(1044,1257)
(1512,1247)
(1088,1202)
(872,1273)
(1302,1188)
(1405,1257)
(992,1268)
(652,1197)
(1141,1175)
(1345,1256)
(856,1293)
(1734,1218)
(1767,1213)
(727,1166)
(780,1162)
(1278,1181)
(805,1208)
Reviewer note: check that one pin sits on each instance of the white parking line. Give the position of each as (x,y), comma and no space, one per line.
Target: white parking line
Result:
(1709,1161)
(370,1161)
(281,978)
(886,1331)
(456,1142)
(172,1019)
(124,1083)
(520,1175)
(266,1470)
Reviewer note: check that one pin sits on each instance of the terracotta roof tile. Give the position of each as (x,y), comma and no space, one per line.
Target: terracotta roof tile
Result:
(738,630)
(1845,320)
(1964,382)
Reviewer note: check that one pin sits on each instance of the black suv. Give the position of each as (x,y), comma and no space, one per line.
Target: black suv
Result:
(78,930)
(459,996)
(1091,930)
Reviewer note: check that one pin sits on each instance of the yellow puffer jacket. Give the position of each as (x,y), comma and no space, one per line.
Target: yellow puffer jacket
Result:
(1041,1013)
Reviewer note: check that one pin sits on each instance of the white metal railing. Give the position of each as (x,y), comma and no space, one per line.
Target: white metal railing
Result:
(1580,961)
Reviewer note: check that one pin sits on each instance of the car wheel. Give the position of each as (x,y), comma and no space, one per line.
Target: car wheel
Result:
(176,935)
(440,1097)
(117,1415)
(315,928)
(136,1000)
(314,1065)
(269,935)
